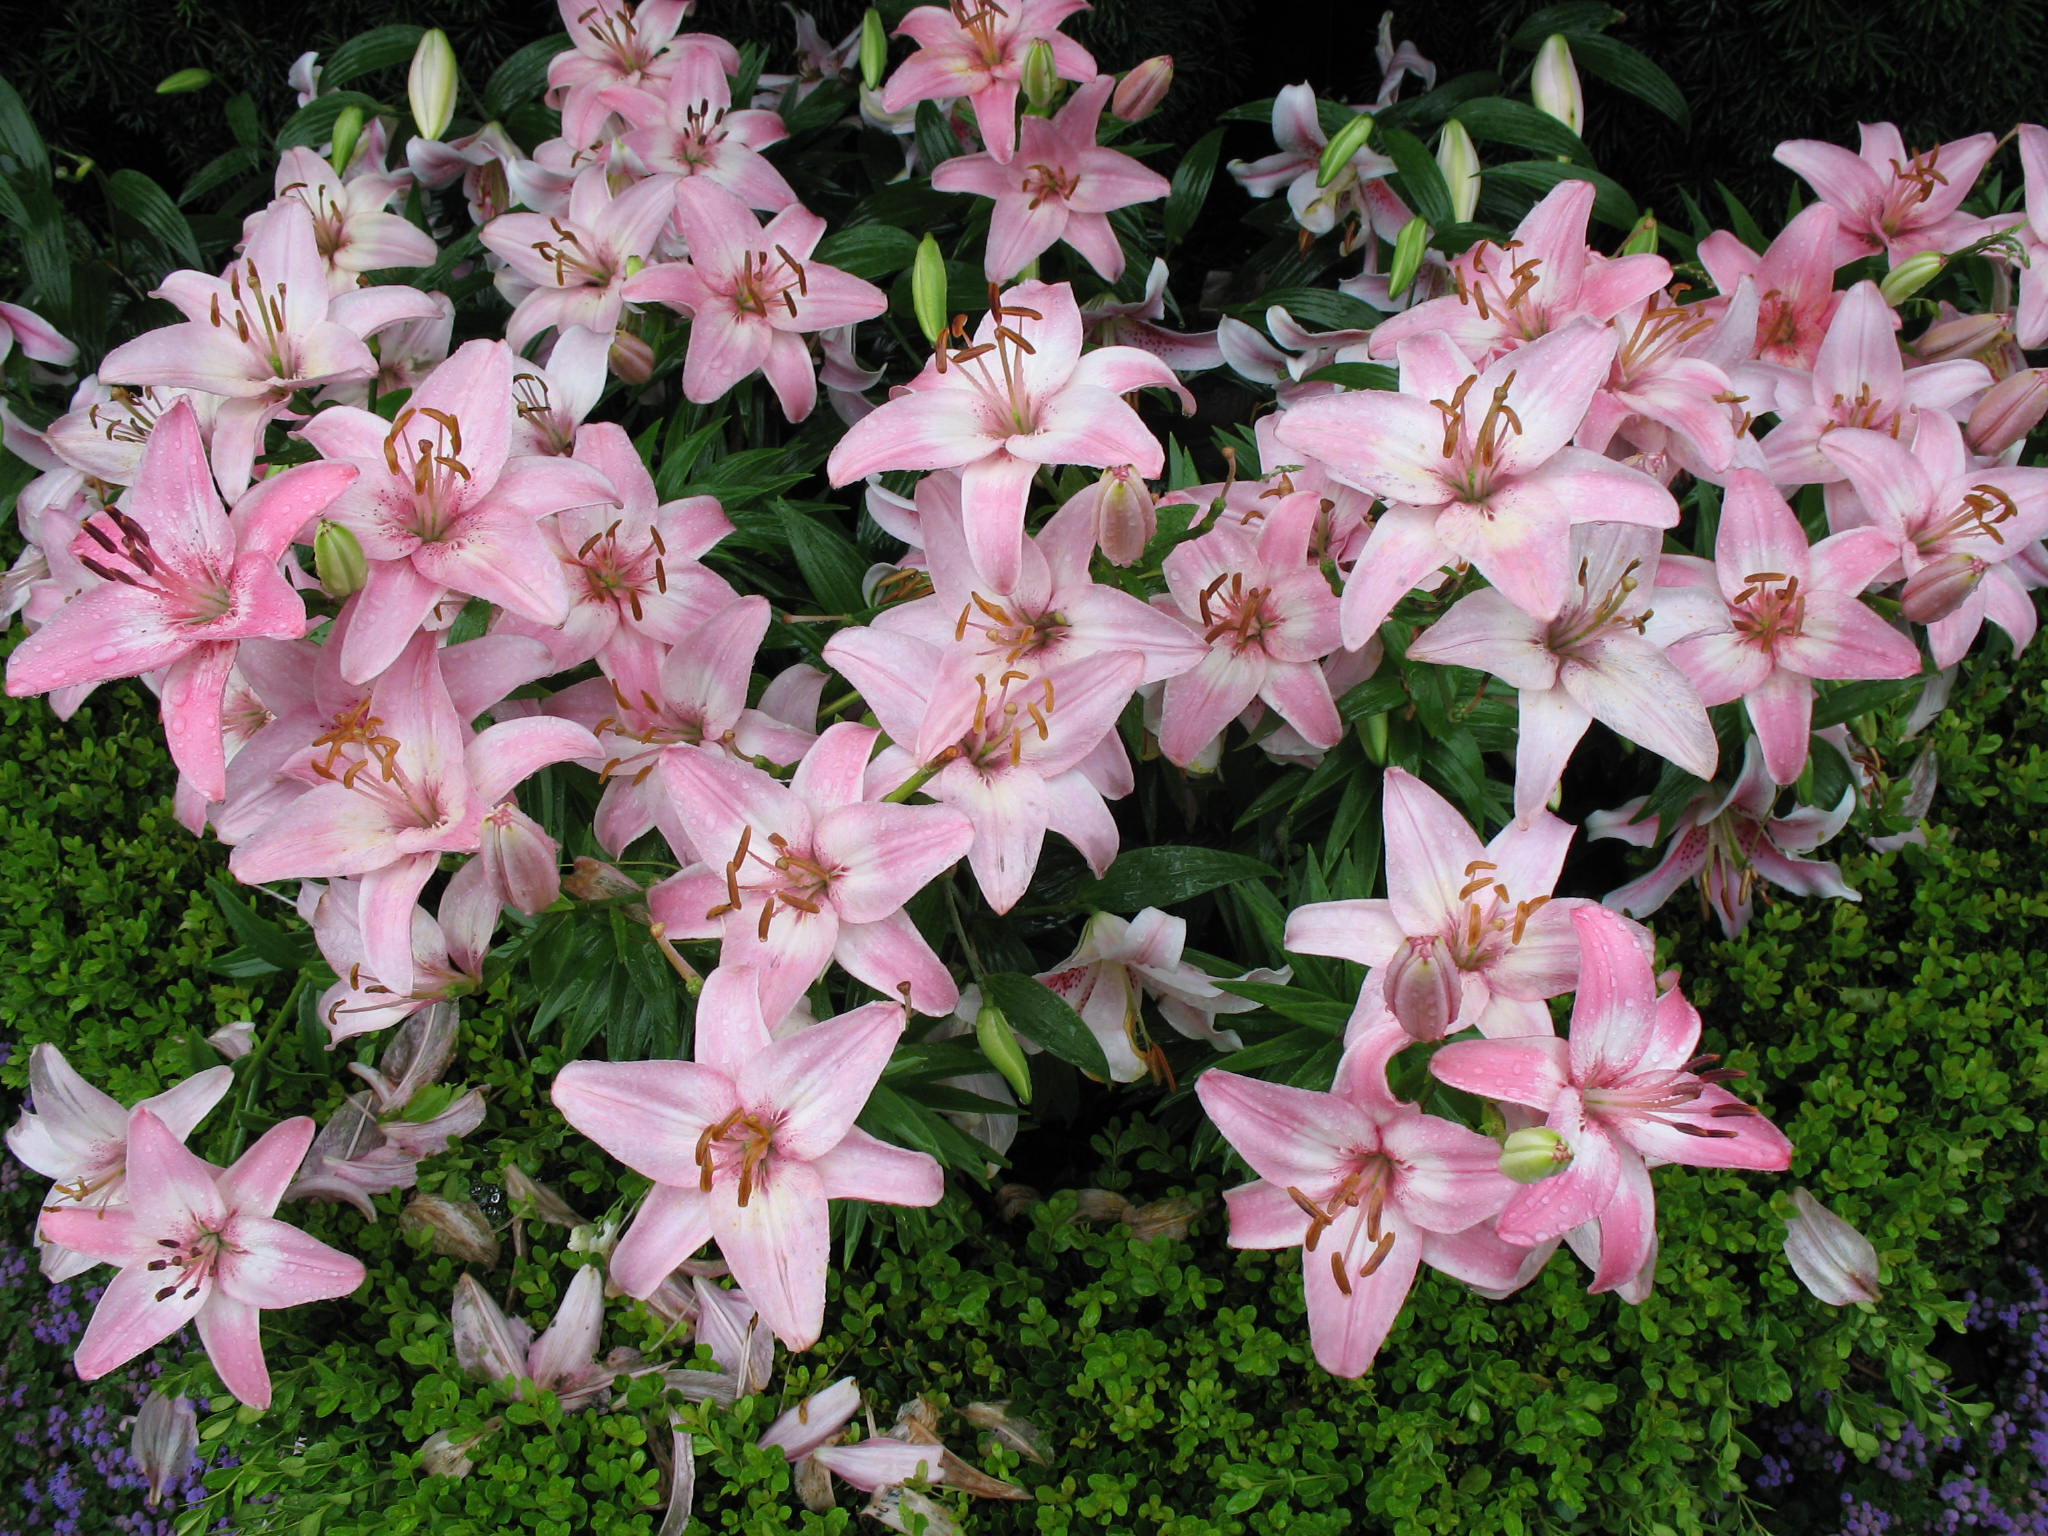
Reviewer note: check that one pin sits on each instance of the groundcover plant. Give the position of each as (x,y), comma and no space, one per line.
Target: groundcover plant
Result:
(1184,716)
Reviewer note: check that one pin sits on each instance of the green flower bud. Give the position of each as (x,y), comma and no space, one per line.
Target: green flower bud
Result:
(338,561)
(1910,276)
(1533,1155)
(1346,142)
(928,289)
(432,83)
(1458,158)
(1408,252)
(1040,77)
(999,1045)
(874,49)
(1372,735)
(348,129)
(1642,240)
(184,80)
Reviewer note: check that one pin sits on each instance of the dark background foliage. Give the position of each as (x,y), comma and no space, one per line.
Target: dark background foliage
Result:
(1755,71)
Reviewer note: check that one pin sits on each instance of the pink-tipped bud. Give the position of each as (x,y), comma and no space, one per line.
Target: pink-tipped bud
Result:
(631,358)
(1423,988)
(1831,1258)
(1138,94)
(520,860)
(2010,409)
(1125,517)
(1966,336)
(1939,587)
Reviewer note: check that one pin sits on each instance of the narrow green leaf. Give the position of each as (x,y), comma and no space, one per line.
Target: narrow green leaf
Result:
(934,137)
(868,251)
(829,560)
(1843,702)
(1417,178)
(379,48)
(520,79)
(1611,205)
(1159,877)
(1037,1013)
(1576,19)
(1374,696)
(1498,120)
(1292,1003)
(1627,70)
(19,140)
(287,952)
(1191,182)
(150,206)
(1356,375)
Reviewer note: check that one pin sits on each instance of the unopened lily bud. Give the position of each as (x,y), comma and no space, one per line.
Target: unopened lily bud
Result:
(338,560)
(1964,336)
(928,289)
(1554,85)
(631,359)
(2010,409)
(1423,988)
(594,880)
(999,1044)
(1126,516)
(1939,587)
(1642,240)
(1040,77)
(166,1441)
(1458,158)
(348,131)
(446,1454)
(1409,247)
(1372,735)
(1344,143)
(1138,94)
(874,50)
(1530,1156)
(1910,276)
(455,1227)
(1831,1258)
(431,84)
(177,85)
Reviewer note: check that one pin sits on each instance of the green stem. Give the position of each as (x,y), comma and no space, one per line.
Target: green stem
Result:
(913,784)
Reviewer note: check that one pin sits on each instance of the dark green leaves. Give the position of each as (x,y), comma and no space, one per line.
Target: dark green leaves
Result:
(1159,877)
(1191,179)
(1038,1014)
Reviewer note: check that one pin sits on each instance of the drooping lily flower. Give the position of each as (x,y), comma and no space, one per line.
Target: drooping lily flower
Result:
(975,49)
(1467,935)
(1888,200)
(1019,396)
(199,1244)
(442,505)
(1594,661)
(1623,1087)
(798,875)
(182,585)
(352,229)
(1477,466)
(1832,1259)
(1793,616)
(37,337)
(1059,186)
(1370,1187)
(1110,323)
(570,269)
(1359,187)
(747,1144)
(752,294)
(1729,841)
(76,1135)
(563,1360)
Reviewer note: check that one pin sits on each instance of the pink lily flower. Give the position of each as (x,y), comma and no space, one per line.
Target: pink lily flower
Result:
(448,960)
(635,580)
(78,1136)
(551,400)
(1371,1188)
(351,228)
(1119,963)
(1013,751)
(265,331)
(1041,403)
(1858,380)
(1623,1088)
(1595,661)
(798,875)
(570,269)
(1537,283)
(1359,186)
(1059,186)
(1500,491)
(692,131)
(498,1349)
(614,44)
(199,1244)
(1888,200)
(1109,323)
(1664,394)
(1952,526)
(694,693)
(1795,282)
(441,505)
(975,49)
(751,294)
(2030,323)
(182,585)
(477,160)
(1267,617)
(1729,841)
(1793,616)
(107,429)
(1468,936)
(401,783)
(39,339)
(747,1144)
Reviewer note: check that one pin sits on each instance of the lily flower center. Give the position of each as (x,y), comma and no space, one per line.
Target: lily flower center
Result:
(614,33)
(1865,410)
(1588,615)
(197,596)
(698,136)
(1663,331)
(432,464)
(792,880)
(1667,1096)
(1769,609)
(763,282)
(575,262)
(1478,280)
(1236,614)
(979,19)
(1049,181)
(741,1142)
(1019,706)
(1365,1189)
(195,1257)
(1912,184)
(357,743)
(535,404)
(615,573)
(127,417)
(1473,457)
(1981,512)
(1493,921)
(256,315)
(1009,629)
(1004,387)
